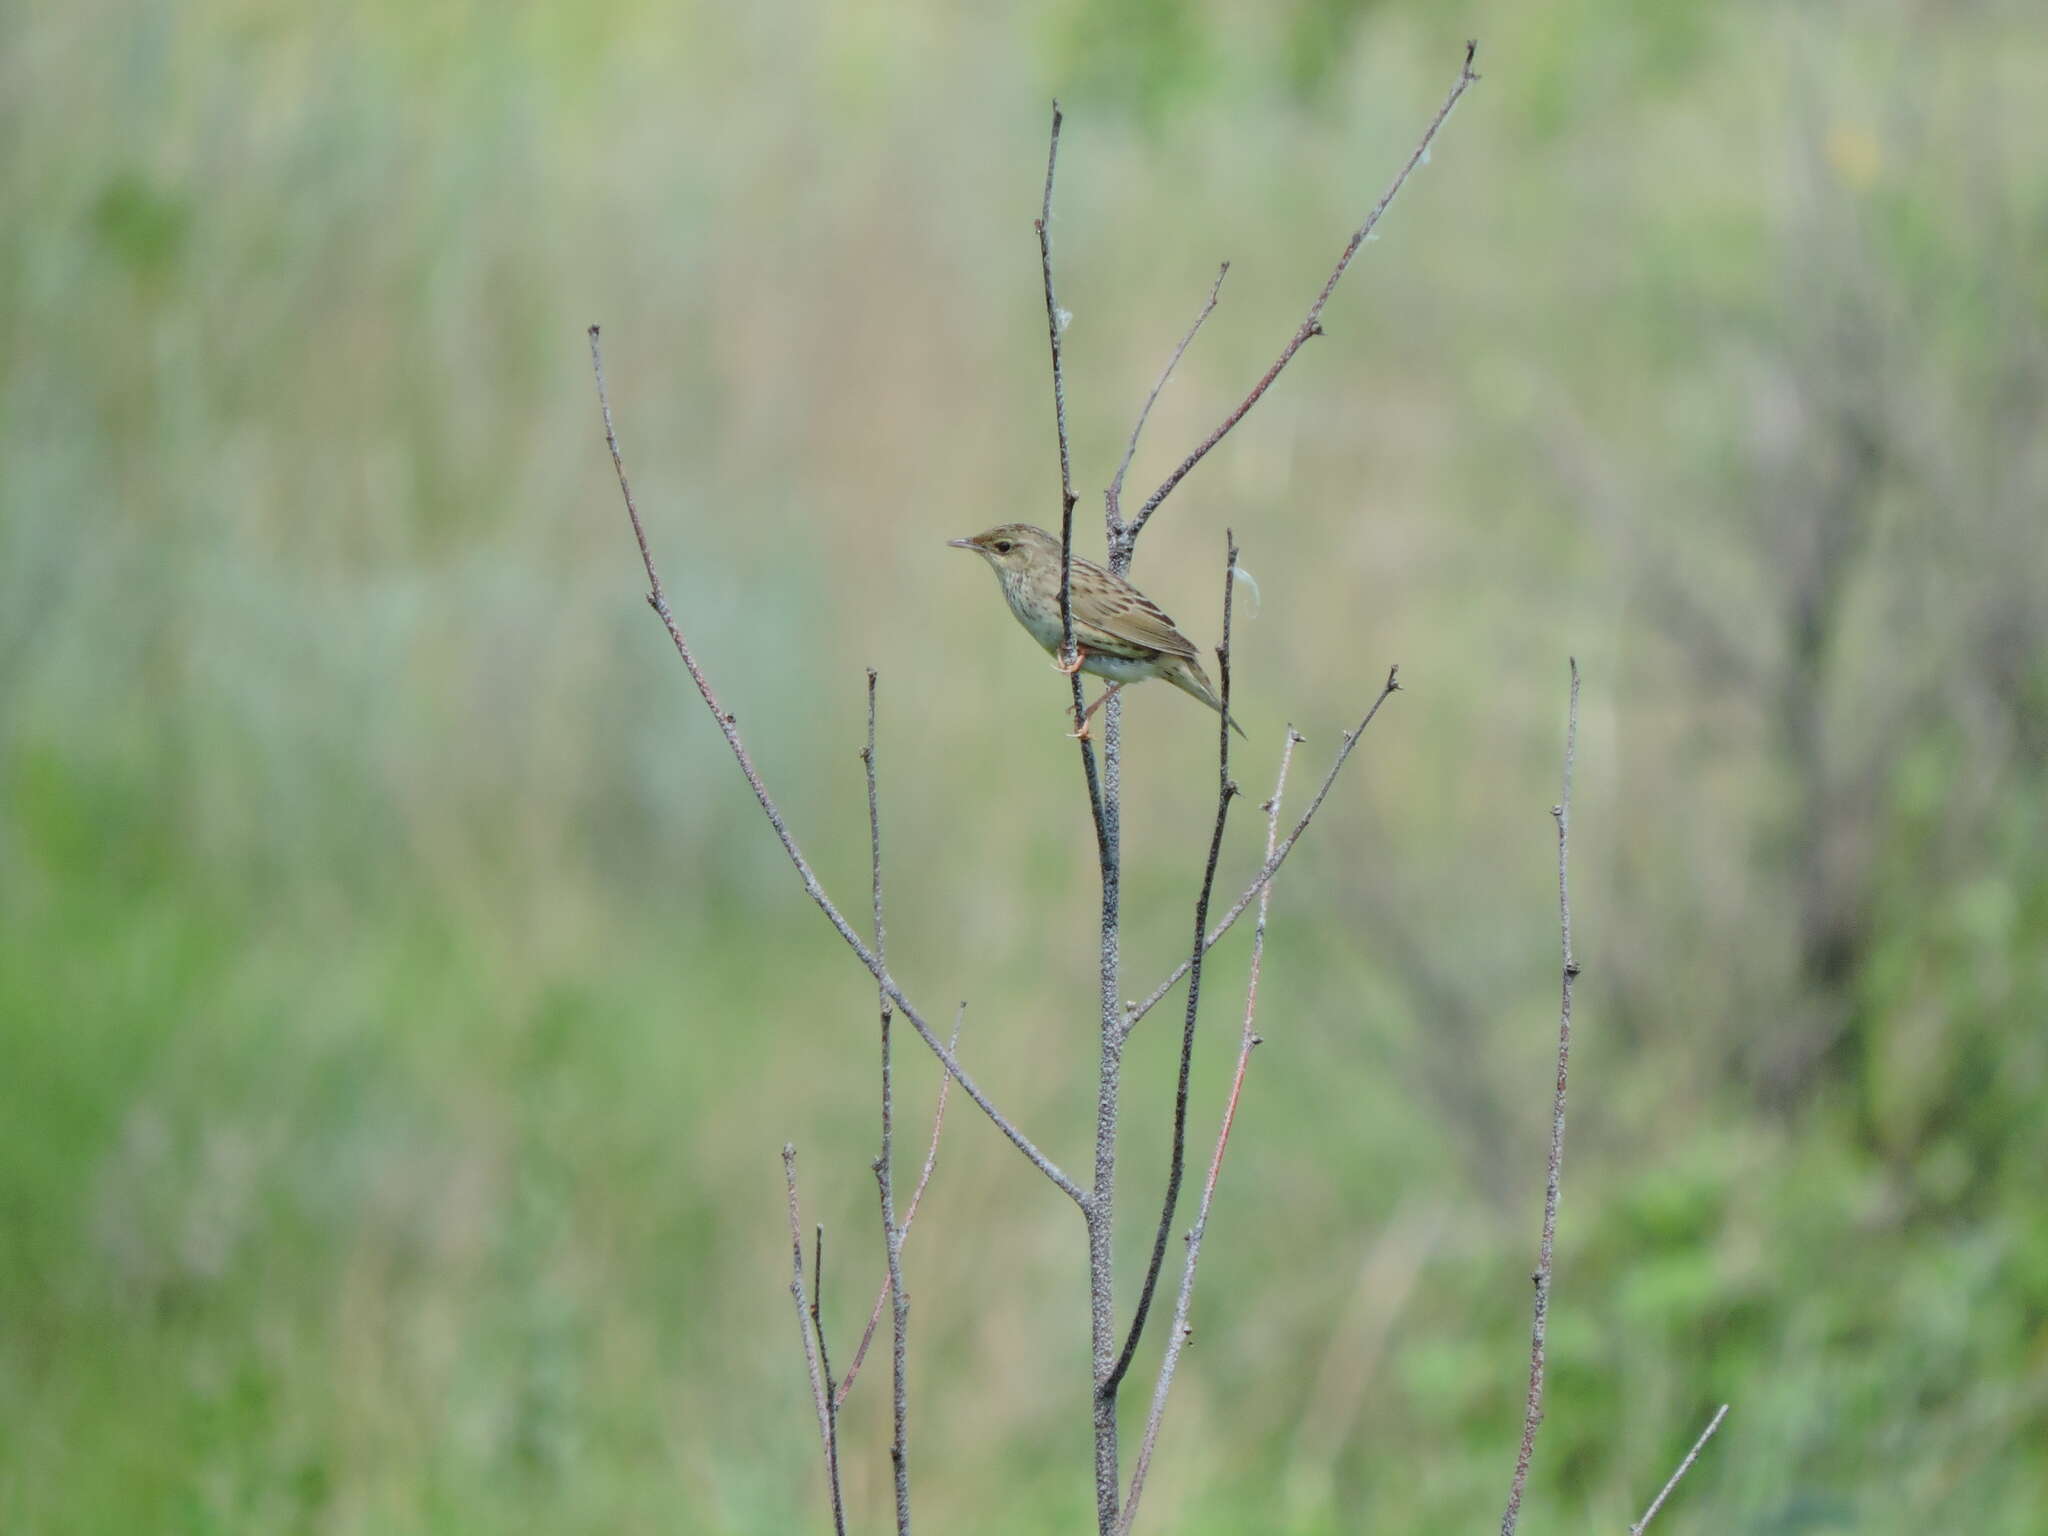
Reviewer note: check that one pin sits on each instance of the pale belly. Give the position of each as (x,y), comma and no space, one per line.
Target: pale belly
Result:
(1120,669)
(1115,669)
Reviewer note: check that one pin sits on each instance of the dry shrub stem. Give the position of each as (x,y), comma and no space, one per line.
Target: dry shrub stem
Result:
(1274,860)
(825,1367)
(1248,1040)
(1103,800)
(728,726)
(1532,1412)
(1682,1468)
(1176,1165)
(1096,1203)
(924,1177)
(1113,497)
(885,1164)
(1312,323)
(804,1320)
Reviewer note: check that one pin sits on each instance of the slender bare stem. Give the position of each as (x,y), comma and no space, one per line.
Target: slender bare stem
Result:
(1102,800)
(803,1309)
(1312,324)
(825,1365)
(1684,1467)
(1273,861)
(657,599)
(1248,1040)
(931,1157)
(885,1164)
(1532,1412)
(1226,791)
(1055,323)
(1114,495)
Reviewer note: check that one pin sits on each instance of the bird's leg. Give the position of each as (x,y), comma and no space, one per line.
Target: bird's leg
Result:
(1070,667)
(1082,733)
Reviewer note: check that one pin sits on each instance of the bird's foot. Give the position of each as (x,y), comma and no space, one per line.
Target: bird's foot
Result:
(1069,668)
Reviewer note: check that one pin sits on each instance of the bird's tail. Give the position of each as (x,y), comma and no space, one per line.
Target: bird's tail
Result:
(1191,680)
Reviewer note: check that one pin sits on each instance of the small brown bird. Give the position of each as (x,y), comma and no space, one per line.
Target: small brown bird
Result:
(1121,635)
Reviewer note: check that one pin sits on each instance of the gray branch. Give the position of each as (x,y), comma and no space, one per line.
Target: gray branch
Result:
(657,599)
(1683,1467)
(1532,1413)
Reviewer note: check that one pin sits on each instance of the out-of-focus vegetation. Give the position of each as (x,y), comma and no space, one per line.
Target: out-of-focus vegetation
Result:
(402,1006)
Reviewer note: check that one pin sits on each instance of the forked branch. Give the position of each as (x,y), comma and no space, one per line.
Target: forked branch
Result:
(1312,323)
(924,1177)
(1248,1040)
(1273,860)
(827,1413)
(657,599)
(1226,791)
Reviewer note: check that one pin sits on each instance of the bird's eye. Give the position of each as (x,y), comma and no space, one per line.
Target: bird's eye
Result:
(1003,546)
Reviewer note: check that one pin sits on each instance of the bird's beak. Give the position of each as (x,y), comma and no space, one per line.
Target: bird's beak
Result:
(961,544)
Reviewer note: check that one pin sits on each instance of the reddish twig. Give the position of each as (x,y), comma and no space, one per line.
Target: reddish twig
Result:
(1248,1040)
(657,599)
(1532,1413)
(1684,1467)
(1312,324)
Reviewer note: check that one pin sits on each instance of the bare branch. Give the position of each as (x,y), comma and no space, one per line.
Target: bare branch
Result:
(657,599)
(1312,324)
(1176,1165)
(1248,1040)
(825,1365)
(931,1157)
(1055,323)
(1272,865)
(1684,1467)
(1532,1413)
(1114,495)
(1097,1205)
(803,1310)
(885,1167)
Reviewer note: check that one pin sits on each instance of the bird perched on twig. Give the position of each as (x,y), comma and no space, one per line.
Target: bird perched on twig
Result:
(1120,634)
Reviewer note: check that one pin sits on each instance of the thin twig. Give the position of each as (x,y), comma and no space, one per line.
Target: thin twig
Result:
(885,1165)
(1532,1413)
(1248,1040)
(803,1310)
(1176,1164)
(825,1365)
(1055,322)
(1312,325)
(1684,1467)
(1114,495)
(931,1157)
(1273,862)
(657,599)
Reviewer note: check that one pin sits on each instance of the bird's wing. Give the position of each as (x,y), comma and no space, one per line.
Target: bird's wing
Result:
(1113,615)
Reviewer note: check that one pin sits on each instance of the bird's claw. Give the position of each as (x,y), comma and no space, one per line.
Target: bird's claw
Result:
(1069,668)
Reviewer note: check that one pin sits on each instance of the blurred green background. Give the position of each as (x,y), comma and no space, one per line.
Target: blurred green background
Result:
(403,1005)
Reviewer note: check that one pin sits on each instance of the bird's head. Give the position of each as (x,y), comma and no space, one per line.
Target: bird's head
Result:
(1013,549)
